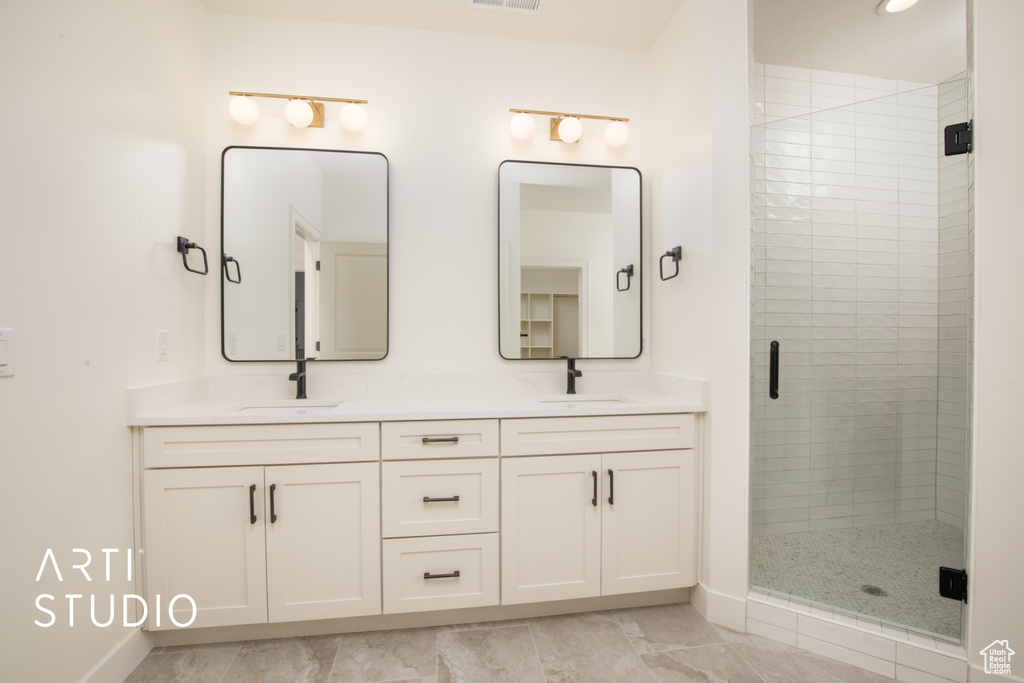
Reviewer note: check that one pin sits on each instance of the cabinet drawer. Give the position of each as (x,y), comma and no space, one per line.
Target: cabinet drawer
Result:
(561,435)
(260,444)
(419,573)
(439,439)
(418,497)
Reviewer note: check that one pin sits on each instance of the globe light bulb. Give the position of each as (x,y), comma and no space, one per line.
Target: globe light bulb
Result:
(522,126)
(298,113)
(616,133)
(353,117)
(570,129)
(243,110)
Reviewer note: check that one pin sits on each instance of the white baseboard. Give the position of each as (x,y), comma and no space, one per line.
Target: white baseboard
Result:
(122,660)
(721,609)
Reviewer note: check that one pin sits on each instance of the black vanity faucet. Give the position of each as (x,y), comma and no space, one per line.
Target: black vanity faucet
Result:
(571,374)
(299,377)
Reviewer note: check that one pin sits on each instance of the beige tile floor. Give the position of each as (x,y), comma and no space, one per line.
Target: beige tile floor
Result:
(666,643)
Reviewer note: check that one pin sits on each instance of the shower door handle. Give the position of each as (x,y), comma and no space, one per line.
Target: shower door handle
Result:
(773,371)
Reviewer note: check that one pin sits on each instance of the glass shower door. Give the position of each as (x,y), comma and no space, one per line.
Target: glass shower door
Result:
(862,306)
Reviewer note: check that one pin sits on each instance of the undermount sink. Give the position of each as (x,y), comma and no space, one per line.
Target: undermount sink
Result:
(582,399)
(286,406)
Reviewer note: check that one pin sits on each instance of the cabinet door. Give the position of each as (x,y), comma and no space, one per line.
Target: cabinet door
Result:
(201,541)
(647,529)
(550,528)
(323,541)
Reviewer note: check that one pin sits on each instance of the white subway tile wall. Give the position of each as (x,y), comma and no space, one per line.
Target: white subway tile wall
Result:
(860,272)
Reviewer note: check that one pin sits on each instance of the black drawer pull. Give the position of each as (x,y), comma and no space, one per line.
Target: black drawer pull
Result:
(252,504)
(428,499)
(440,439)
(611,487)
(593,501)
(453,575)
(273,515)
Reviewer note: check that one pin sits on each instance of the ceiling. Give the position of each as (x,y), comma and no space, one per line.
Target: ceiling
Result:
(926,43)
(625,24)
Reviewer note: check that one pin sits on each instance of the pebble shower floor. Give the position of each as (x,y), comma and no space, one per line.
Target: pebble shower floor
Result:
(832,567)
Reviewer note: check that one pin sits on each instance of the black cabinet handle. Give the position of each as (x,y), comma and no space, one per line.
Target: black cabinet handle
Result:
(453,575)
(225,260)
(428,499)
(611,487)
(273,515)
(773,371)
(252,504)
(593,501)
(441,439)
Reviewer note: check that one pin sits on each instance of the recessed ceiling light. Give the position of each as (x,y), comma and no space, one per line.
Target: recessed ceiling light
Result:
(893,6)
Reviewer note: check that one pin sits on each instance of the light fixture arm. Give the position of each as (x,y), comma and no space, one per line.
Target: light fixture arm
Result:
(562,114)
(295,97)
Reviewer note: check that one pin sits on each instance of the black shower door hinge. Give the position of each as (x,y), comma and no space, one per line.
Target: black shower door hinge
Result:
(959,138)
(953,583)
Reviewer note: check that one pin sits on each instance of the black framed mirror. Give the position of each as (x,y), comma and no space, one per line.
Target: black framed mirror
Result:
(304,254)
(569,270)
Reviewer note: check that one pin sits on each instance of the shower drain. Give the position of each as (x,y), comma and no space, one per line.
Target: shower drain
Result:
(874,590)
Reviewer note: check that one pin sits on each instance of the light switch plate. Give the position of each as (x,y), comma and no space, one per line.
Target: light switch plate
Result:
(6,352)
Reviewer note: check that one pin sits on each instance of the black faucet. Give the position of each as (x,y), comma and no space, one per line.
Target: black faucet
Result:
(299,376)
(571,374)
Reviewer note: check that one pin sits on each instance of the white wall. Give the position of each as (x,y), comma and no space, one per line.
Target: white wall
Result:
(438,108)
(102,168)
(997,469)
(680,182)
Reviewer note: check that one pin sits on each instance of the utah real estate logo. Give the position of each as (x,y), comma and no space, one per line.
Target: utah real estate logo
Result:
(997,657)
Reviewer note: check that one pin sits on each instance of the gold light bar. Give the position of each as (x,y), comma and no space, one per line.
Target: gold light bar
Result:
(315,103)
(302,97)
(562,114)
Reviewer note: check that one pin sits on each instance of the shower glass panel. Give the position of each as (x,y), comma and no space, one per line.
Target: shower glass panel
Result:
(862,278)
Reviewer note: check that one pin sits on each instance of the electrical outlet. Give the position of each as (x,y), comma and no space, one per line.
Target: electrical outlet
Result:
(163,343)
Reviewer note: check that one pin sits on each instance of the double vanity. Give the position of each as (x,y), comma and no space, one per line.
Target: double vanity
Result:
(282,511)
(369,505)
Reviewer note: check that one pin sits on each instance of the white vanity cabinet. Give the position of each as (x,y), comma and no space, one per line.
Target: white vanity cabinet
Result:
(579,524)
(263,542)
(440,514)
(274,523)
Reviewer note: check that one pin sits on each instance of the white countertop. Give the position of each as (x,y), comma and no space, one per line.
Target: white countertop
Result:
(222,401)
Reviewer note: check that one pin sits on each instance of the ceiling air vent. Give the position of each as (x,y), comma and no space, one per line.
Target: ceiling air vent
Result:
(521,6)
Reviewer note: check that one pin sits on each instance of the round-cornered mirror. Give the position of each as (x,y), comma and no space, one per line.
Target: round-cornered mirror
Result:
(304,264)
(569,275)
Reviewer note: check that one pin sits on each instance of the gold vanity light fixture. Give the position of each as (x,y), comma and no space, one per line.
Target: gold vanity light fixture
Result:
(567,127)
(301,111)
